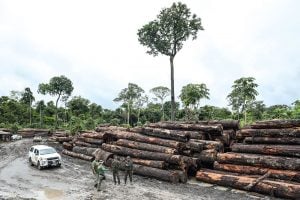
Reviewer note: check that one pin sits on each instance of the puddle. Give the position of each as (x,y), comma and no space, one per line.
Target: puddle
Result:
(51,194)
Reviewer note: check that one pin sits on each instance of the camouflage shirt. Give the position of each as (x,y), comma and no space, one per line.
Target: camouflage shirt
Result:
(115,165)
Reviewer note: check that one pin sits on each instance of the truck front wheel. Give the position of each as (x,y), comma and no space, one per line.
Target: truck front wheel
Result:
(30,161)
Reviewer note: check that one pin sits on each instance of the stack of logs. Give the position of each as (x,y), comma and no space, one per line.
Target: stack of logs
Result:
(268,160)
(30,133)
(166,151)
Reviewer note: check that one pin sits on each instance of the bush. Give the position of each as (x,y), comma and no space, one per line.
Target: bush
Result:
(14,129)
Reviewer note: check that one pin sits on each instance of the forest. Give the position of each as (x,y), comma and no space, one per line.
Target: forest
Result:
(19,109)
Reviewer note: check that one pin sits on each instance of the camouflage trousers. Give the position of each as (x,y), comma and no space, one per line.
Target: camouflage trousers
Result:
(128,173)
(98,181)
(116,176)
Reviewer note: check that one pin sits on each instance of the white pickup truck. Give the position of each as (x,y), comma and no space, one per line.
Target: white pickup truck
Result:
(43,156)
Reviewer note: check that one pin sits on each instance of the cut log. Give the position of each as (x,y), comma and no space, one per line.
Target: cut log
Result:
(212,129)
(195,146)
(227,124)
(225,138)
(274,162)
(251,170)
(278,189)
(92,135)
(145,139)
(280,150)
(269,140)
(77,155)
(90,140)
(67,146)
(84,144)
(287,132)
(149,163)
(207,144)
(84,150)
(100,154)
(109,128)
(145,146)
(276,123)
(207,156)
(64,139)
(135,153)
(199,135)
(181,136)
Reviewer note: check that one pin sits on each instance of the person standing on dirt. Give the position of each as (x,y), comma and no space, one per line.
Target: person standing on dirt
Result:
(115,166)
(128,169)
(99,172)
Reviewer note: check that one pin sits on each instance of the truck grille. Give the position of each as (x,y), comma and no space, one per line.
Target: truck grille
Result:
(53,158)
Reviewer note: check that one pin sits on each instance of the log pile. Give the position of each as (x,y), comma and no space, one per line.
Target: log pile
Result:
(267,160)
(30,132)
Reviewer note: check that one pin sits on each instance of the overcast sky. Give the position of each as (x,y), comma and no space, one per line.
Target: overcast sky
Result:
(95,44)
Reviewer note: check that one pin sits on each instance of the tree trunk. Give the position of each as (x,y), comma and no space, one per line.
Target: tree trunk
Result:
(135,153)
(90,140)
(276,123)
(269,140)
(277,150)
(149,163)
(173,106)
(145,139)
(84,150)
(100,154)
(145,146)
(64,139)
(181,136)
(207,144)
(128,113)
(163,110)
(77,155)
(274,162)
(285,132)
(56,112)
(67,146)
(206,156)
(92,135)
(211,129)
(251,170)
(85,144)
(279,189)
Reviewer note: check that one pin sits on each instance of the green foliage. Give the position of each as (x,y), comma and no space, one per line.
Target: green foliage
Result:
(191,94)
(161,93)
(242,95)
(75,125)
(278,112)
(14,129)
(27,97)
(211,112)
(78,106)
(89,124)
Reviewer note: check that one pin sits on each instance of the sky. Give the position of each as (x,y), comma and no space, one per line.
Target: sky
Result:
(95,44)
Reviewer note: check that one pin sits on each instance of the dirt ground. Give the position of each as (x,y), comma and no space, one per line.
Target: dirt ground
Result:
(74,180)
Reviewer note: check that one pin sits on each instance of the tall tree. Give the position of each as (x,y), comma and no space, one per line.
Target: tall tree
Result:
(166,34)
(139,103)
(78,106)
(242,95)
(59,86)
(161,93)
(191,94)
(40,106)
(128,96)
(27,98)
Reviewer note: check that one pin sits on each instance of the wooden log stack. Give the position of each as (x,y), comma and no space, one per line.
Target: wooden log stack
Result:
(267,160)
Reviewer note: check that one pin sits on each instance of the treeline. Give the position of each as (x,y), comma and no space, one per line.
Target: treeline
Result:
(20,109)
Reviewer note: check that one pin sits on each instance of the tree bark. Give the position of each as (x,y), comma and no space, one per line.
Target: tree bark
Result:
(84,150)
(212,129)
(149,163)
(90,140)
(289,175)
(145,139)
(181,136)
(206,156)
(92,135)
(274,162)
(100,154)
(67,146)
(173,106)
(277,123)
(280,150)
(269,140)
(77,155)
(279,189)
(207,144)
(64,139)
(285,132)
(135,153)
(145,146)
(85,144)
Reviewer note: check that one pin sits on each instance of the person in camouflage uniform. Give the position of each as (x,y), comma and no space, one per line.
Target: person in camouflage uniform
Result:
(128,169)
(99,172)
(115,166)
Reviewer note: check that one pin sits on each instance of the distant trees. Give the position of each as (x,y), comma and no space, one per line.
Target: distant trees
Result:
(161,92)
(242,95)
(190,96)
(59,86)
(129,96)
(27,98)
(166,34)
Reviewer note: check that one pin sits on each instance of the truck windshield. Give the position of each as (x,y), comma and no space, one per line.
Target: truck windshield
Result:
(47,151)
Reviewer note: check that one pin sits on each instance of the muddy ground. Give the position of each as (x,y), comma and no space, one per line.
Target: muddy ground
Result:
(74,180)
